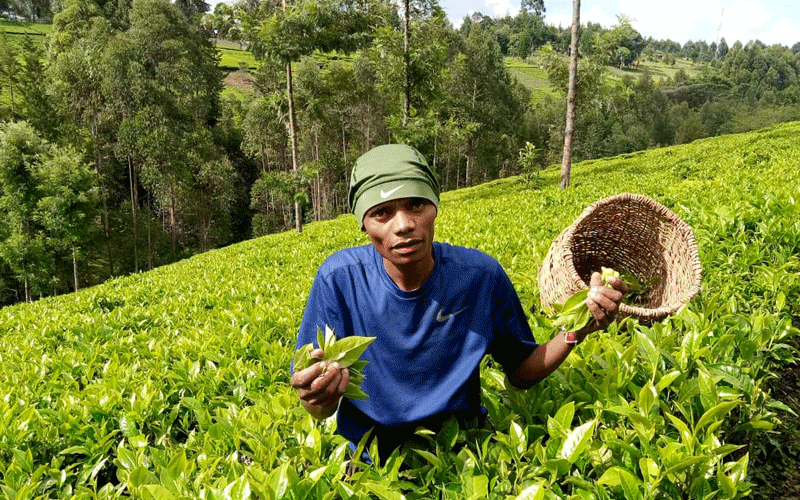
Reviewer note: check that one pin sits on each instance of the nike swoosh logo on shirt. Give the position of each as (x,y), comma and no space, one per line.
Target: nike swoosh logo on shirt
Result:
(442,318)
(386,194)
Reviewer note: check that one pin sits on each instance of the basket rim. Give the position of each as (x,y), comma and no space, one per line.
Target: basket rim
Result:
(625,309)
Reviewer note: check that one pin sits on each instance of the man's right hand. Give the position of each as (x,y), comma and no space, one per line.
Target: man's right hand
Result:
(320,392)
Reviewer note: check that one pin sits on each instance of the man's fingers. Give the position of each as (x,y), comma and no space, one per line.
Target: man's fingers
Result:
(596,280)
(345,381)
(327,379)
(304,378)
(602,301)
(327,387)
(618,284)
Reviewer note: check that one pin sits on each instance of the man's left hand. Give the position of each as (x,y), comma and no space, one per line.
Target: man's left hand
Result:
(603,302)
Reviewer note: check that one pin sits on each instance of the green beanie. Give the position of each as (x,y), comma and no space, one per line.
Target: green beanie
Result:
(387,173)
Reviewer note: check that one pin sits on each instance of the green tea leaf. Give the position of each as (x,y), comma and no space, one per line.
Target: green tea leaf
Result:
(577,441)
(717,411)
(346,351)
(321,339)
(354,392)
(532,492)
(630,485)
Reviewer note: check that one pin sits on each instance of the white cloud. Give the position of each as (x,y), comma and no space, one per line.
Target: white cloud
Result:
(745,21)
(684,20)
(679,20)
(595,14)
(598,16)
(501,8)
(784,31)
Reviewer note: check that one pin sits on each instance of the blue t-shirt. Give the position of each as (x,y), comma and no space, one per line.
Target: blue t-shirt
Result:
(425,361)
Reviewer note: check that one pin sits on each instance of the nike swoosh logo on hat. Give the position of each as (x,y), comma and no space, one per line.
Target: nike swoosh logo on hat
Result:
(442,318)
(386,194)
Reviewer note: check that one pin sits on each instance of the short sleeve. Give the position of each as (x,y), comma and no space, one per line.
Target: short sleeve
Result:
(321,310)
(513,340)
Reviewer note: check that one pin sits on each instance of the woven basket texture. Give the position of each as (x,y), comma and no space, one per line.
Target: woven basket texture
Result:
(627,232)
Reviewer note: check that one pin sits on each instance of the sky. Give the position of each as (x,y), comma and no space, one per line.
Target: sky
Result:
(771,21)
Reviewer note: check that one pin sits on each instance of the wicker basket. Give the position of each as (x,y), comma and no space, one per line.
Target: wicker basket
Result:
(628,232)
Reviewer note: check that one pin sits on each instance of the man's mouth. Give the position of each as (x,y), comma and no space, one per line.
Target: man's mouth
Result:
(406,244)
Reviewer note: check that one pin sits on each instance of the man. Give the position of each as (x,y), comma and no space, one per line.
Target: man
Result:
(435,309)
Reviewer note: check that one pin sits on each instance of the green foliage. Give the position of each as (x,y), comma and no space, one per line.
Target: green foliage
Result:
(175,382)
(9,66)
(344,351)
(529,164)
(48,197)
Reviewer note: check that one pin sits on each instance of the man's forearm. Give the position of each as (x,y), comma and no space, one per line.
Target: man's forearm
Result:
(541,362)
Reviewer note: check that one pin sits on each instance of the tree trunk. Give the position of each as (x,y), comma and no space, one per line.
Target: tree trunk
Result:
(298,210)
(11,90)
(98,166)
(149,236)
(407,64)
(75,268)
(134,203)
(172,229)
(569,129)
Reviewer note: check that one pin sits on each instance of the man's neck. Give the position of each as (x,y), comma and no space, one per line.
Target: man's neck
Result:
(409,278)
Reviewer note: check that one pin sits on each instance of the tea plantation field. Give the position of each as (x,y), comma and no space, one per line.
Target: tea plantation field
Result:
(173,384)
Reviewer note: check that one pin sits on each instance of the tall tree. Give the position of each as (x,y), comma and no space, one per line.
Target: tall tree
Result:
(296,30)
(75,55)
(23,244)
(298,209)
(9,65)
(486,102)
(406,64)
(569,129)
(68,203)
(535,6)
(162,86)
(192,9)
(37,104)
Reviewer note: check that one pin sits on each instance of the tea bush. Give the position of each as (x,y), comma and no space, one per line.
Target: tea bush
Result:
(174,384)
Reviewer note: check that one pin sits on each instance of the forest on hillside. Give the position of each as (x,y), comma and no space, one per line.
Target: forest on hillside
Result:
(121,149)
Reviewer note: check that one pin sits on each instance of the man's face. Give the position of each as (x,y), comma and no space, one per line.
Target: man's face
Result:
(402,230)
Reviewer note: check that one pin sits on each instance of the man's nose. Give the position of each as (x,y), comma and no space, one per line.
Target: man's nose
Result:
(403,221)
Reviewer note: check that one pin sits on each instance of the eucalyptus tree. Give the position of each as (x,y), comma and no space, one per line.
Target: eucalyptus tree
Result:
(9,66)
(488,104)
(342,114)
(290,30)
(49,197)
(432,44)
(163,88)
(77,42)
(535,6)
(68,203)
(192,9)
(23,239)
(37,104)
(569,129)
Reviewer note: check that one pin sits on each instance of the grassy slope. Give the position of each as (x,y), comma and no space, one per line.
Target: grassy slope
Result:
(232,58)
(20,28)
(532,76)
(219,327)
(500,218)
